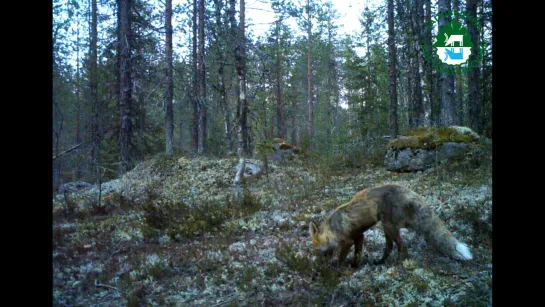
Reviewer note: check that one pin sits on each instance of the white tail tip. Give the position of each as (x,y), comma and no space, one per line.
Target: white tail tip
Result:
(463,252)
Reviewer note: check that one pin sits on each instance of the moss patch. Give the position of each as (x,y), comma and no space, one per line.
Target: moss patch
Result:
(177,218)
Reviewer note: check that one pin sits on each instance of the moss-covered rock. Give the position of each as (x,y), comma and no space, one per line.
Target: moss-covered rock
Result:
(421,148)
(432,137)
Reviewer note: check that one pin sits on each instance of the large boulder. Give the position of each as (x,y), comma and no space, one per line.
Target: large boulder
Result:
(421,148)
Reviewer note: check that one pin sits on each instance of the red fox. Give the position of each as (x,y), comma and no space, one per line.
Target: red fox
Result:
(397,207)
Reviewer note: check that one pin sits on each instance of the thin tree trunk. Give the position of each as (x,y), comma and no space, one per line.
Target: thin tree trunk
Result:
(418,106)
(180,127)
(428,69)
(392,56)
(330,86)
(78,102)
(233,43)
(458,101)
(240,57)
(267,129)
(486,82)
(294,133)
(93,93)
(202,83)
(409,87)
(279,103)
(473,74)
(221,76)
(57,164)
(366,109)
(125,99)
(309,77)
(446,81)
(195,84)
(169,117)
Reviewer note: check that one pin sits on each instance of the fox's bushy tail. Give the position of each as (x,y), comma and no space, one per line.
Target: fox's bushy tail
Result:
(429,225)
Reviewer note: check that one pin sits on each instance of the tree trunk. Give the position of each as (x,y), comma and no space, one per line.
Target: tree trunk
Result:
(435,112)
(417,105)
(221,76)
(78,102)
(473,74)
(294,132)
(331,74)
(240,58)
(180,127)
(57,163)
(446,81)
(125,96)
(309,77)
(486,109)
(195,84)
(279,103)
(367,109)
(93,93)
(458,98)
(169,117)
(392,56)
(202,84)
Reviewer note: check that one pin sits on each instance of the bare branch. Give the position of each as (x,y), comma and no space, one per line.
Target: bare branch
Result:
(67,151)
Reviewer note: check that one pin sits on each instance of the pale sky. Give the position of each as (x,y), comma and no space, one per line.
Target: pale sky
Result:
(259,17)
(260,12)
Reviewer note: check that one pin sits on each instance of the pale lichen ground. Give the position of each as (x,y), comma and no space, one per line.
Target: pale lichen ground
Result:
(109,256)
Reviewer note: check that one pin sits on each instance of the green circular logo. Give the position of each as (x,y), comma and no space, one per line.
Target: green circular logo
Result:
(452,47)
(453,44)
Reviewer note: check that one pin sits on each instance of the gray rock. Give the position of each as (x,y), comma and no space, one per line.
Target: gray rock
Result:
(75,186)
(451,150)
(411,160)
(407,160)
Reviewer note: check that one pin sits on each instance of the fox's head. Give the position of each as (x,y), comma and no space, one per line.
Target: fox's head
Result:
(323,239)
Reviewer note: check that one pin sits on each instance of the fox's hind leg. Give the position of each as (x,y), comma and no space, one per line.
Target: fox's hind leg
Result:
(396,237)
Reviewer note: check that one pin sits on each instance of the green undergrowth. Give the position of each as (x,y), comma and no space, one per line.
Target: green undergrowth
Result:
(298,261)
(176,218)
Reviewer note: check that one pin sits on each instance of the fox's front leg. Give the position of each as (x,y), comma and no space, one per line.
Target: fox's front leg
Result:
(387,250)
(358,246)
(345,248)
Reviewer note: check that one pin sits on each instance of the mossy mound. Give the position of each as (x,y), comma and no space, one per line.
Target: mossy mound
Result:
(431,137)
(279,150)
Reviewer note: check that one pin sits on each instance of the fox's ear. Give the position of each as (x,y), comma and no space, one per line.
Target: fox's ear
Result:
(312,229)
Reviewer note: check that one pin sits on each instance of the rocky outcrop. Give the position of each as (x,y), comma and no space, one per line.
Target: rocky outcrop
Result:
(422,148)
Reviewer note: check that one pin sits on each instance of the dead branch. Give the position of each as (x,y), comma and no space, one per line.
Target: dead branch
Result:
(67,151)
(238,179)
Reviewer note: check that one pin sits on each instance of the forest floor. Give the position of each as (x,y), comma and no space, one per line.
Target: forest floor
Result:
(169,234)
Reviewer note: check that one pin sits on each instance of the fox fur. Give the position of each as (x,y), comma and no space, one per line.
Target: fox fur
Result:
(396,207)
